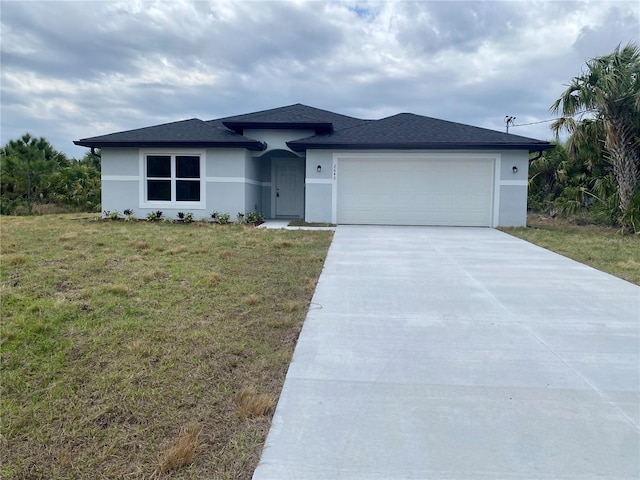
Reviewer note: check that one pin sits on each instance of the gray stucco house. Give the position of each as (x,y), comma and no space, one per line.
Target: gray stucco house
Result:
(302,162)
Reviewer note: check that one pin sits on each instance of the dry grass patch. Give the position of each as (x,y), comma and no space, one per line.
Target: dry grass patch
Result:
(177,250)
(282,243)
(251,404)
(140,245)
(65,237)
(116,289)
(182,451)
(212,279)
(15,259)
(252,299)
(289,307)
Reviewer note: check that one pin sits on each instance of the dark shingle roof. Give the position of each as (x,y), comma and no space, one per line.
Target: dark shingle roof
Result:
(185,133)
(410,131)
(291,116)
(333,130)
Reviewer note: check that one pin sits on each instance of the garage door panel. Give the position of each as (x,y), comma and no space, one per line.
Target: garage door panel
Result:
(415,191)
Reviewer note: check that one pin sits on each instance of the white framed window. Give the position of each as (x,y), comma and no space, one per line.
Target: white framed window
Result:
(172,178)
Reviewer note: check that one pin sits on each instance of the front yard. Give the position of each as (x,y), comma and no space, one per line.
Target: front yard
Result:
(119,338)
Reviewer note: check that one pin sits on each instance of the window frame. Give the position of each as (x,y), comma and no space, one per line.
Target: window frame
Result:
(172,203)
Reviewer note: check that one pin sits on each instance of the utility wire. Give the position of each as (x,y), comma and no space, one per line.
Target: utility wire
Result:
(546,121)
(533,123)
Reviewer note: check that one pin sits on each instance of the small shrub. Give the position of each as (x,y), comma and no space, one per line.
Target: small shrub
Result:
(188,217)
(128,215)
(21,211)
(115,215)
(254,218)
(154,216)
(222,218)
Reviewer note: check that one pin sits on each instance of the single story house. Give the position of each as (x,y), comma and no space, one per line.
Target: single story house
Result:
(301,162)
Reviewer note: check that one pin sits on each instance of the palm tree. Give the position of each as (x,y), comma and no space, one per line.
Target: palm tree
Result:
(610,91)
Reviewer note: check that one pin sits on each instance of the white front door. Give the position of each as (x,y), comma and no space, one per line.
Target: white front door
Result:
(289,188)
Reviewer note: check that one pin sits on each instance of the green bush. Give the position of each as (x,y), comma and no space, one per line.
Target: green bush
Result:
(221,218)
(254,218)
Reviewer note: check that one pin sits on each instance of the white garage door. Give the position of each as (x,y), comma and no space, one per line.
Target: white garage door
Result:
(415,191)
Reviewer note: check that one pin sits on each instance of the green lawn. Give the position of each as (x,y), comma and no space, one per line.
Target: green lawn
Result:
(603,248)
(118,336)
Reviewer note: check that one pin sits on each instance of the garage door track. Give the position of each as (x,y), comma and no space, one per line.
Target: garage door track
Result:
(459,353)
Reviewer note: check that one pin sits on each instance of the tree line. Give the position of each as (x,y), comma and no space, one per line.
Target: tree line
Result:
(595,175)
(35,177)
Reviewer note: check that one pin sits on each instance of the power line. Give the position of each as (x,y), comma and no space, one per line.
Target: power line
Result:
(546,121)
(533,123)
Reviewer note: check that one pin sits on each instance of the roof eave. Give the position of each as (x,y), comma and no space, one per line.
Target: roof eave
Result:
(255,146)
(239,126)
(297,146)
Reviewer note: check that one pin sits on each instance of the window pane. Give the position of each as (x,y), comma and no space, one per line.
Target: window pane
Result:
(187,166)
(158,166)
(159,190)
(187,191)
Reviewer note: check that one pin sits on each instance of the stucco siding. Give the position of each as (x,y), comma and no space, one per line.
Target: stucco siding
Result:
(512,210)
(321,158)
(119,162)
(226,197)
(319,186)
(513,206)
(253,198)
(120,195)
(510,159)
(318,203)
(277,139)
(226,162)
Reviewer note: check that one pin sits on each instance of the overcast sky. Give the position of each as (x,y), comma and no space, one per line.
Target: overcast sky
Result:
(76,69)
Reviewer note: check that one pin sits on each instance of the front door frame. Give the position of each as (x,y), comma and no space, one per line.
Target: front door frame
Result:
(298,162)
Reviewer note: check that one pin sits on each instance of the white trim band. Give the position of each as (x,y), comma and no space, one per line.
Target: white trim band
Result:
(236,180)
(321,181)
(518,183)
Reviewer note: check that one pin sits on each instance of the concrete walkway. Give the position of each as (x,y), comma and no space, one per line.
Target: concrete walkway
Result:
(284,225)
(459,353)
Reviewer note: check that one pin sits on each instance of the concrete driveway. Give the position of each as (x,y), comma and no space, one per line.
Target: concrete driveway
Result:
(459,353)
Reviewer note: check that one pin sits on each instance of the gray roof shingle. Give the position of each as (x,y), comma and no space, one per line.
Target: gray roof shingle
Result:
(333,130)
(292,115)
(193,132)
(410,131)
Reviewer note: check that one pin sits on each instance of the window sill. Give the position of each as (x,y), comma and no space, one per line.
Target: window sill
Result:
(178,205)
